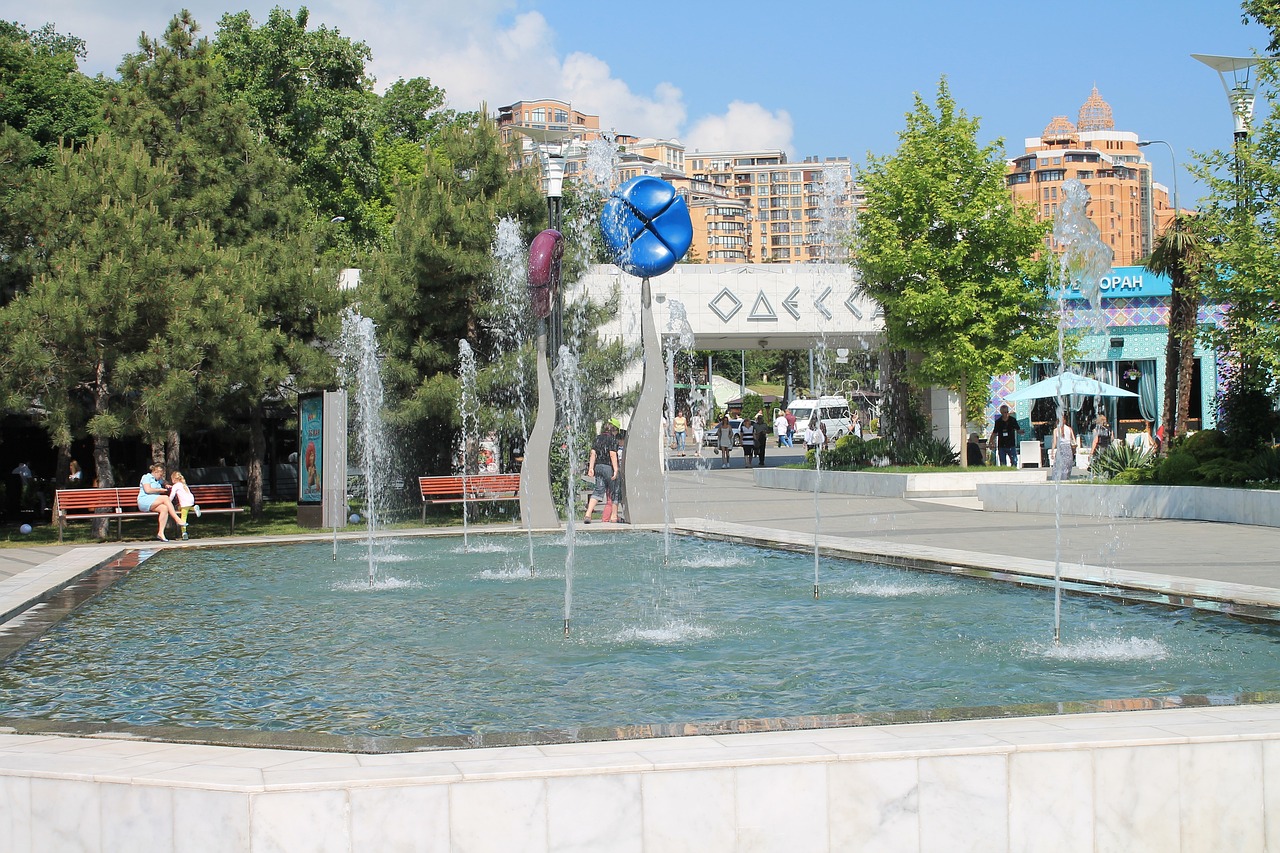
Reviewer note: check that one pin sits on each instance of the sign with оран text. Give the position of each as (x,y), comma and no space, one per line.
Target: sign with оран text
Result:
(1128,283)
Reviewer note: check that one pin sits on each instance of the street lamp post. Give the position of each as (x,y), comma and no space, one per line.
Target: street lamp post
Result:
(1143,144)
(1236,74)
(551,146)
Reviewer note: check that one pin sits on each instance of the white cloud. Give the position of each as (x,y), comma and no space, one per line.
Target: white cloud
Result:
(743,125)
(478,51)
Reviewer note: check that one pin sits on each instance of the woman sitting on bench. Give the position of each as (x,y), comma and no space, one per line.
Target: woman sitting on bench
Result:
(153,496)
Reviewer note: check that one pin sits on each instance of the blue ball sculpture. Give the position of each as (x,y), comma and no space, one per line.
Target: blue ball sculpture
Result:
(646,226)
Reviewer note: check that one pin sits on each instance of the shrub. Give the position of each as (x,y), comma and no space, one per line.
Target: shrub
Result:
(848,453)
(926,451)
(1266,465)
(1132,476)
(1118,457)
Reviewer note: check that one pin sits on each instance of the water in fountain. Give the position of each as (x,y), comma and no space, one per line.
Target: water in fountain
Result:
(833,241)
(570,388)
(1082,264)
(511,325)
(467,415)
(361,376)
(730,645)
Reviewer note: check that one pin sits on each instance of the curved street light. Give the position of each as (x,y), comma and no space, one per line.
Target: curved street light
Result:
(1143,144)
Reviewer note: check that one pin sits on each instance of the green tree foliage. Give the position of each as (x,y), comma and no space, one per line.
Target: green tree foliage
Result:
(944,249)
(432,283)
(89,344)
(261,327)
(1240,234)
(42,92)
(312,98)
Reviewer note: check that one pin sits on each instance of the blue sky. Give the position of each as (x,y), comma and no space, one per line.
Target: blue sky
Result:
(834,77)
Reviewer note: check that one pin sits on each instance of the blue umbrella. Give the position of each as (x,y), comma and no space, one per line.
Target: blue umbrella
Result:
(1066,385)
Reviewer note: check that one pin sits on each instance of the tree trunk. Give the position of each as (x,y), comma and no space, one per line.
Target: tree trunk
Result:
(104,477)
(173,451)
(257,451)
(62,474)
(1187,361)
(1172,360)
(898,419)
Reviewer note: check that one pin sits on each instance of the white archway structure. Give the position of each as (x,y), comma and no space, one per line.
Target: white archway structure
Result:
(757,306)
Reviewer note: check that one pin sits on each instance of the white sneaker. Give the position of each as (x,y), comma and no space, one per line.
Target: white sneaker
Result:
(196,507)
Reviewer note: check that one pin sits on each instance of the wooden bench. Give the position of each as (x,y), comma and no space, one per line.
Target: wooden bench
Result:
(119,504)
(473,488)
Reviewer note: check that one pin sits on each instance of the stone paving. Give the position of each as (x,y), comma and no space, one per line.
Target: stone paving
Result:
(1174,550)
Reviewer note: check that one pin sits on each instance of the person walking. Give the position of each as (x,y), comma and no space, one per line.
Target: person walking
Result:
(1102,436)
(780,429)
(1004,437)
(761,432)
(603,463)
(748,431)
(699,426)
(681,428)
(724,440)
(791,428)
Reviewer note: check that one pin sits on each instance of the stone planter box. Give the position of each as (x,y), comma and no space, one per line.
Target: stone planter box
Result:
(883,485)
(1192,503)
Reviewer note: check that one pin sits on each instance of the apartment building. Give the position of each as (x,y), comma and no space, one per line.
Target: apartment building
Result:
(1126,204)
(799,212)
(746,206)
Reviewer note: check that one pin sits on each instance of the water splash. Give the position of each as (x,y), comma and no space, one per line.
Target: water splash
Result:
(834,232)
(511,326)
(1104,650)
(360,374)
(1083,262)
(679,336)
(468,414)
(570,386)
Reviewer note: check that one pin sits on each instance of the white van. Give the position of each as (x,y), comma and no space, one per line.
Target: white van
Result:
(834,412)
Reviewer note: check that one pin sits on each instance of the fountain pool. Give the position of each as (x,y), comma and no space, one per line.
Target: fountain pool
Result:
(458,642)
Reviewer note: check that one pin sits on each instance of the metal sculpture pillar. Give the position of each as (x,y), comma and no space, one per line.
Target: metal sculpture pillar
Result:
(537,504)
(646,226)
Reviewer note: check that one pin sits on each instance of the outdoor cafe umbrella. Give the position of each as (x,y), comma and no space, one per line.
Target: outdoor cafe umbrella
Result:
(1066,385)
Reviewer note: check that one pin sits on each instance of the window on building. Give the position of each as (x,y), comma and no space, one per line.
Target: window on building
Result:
(562,116)
(540,114)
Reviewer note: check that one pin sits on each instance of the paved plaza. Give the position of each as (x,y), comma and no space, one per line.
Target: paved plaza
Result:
(1169,551)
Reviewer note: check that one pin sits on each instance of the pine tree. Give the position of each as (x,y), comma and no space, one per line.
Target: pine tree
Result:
(432,284)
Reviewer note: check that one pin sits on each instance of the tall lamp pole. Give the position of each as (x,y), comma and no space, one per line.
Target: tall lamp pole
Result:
(1143,144)
(551,146)
(1236,74)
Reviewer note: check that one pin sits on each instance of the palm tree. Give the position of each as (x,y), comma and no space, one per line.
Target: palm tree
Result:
(1179,254)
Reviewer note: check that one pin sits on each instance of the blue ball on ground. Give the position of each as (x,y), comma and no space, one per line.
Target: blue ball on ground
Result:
(355,518)
(24,529)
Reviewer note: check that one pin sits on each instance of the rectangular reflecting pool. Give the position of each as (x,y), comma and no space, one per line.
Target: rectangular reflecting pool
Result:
(455,642)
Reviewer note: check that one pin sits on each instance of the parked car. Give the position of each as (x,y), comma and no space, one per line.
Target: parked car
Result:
(713,433)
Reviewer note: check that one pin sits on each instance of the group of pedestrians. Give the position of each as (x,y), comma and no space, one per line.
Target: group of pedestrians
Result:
(682,426)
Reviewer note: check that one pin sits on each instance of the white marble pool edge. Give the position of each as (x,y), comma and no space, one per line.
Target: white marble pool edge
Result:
(1188,779)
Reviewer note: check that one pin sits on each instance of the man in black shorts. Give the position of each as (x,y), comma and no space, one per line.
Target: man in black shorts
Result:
(1004,436)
